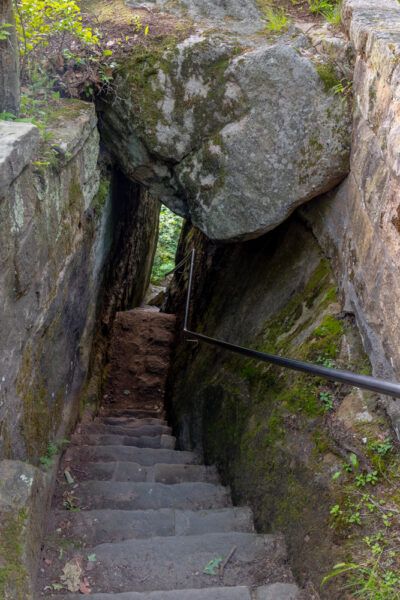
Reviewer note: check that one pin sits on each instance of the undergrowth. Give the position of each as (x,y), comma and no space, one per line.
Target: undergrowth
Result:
(369,507)
(169,231)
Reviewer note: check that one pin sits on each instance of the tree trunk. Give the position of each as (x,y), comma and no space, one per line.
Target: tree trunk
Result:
(9,63)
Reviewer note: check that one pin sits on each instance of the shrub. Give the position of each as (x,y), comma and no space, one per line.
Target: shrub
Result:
(40,21)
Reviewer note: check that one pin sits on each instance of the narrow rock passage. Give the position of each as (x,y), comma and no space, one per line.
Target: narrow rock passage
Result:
(140,520)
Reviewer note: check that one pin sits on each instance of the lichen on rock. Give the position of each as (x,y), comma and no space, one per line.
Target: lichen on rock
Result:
(282,136)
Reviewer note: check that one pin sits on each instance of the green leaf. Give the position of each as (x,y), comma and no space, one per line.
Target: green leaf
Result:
(338,570)
(212,567)
(354,460)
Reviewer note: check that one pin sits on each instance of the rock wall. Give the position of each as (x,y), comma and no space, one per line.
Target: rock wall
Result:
(76,245)
(359,225)
(277,437)
(9,63)
(62,235)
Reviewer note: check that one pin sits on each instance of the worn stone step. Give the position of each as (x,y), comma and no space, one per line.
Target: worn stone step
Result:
(133,413)
(141,495)
(236,593)
(130,422)
(93,527)
(106,439)
(274,591)
(129,471)
(79,455)
(135,430)
(171,563)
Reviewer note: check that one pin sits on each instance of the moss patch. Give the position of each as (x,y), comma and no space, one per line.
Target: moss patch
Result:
(41,413)
(14,580)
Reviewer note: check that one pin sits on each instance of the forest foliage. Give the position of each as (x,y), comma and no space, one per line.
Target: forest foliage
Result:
(168,238)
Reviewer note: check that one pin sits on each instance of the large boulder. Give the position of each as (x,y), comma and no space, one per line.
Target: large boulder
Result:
(233,136)
(243,16)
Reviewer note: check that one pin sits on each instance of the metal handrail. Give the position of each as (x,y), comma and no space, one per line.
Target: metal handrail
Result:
(365,382)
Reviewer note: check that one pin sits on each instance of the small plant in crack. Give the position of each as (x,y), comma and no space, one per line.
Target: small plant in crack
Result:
(53,448)
(327,400)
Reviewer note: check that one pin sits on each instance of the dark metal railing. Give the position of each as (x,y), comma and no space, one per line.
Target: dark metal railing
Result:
(365,382)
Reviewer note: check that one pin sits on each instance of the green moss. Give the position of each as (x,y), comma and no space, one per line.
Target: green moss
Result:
(302,397)
(100,199)
(328,75)
(140,74)
(14,579)
(141,79)
(41,414)
(325,342)
(35,417)
(321,441)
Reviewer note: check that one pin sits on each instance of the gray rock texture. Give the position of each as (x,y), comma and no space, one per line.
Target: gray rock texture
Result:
(243,16)
(265,427)
(60,240)
(19,143)
(359,225)
(231,135)
(24,502)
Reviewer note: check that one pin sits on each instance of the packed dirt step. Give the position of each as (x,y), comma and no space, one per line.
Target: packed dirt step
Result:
(134,518)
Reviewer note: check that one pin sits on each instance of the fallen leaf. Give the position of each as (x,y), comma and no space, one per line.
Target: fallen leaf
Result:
(71,576)
(212,567)
(92,558)
(84,586)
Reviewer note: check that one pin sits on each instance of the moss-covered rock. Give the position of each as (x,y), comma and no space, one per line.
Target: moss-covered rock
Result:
(24,499)
(233,134)
(278,436)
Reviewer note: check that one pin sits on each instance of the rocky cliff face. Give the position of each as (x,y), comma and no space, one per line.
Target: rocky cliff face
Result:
(59,228)
(278,437)
(281,439)
(231,130)
(358,225)
(76,245)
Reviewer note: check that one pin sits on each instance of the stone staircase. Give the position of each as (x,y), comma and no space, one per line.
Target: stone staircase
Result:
(135,519)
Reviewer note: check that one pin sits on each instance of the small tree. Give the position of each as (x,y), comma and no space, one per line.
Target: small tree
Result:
(42,21)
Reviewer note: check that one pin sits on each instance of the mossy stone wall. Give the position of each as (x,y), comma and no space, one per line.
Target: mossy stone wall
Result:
(275,435)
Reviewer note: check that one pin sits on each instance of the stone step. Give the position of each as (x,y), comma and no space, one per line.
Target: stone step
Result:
(131,422)
(93,527)
(171,563)
(134,430)
(106,439)
(143,456)
(132,413)
(274,591)
(142,496)
(236,593)
(129,471)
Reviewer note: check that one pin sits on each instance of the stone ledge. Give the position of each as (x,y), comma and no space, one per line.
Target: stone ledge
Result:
(72,127)
(19,141)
